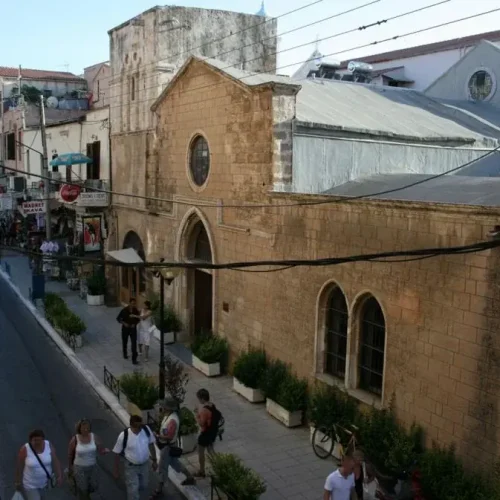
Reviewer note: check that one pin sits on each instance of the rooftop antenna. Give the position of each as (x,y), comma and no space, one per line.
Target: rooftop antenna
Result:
(316,44)
(65,66)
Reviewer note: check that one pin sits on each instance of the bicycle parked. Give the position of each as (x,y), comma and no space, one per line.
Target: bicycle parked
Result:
(324,440)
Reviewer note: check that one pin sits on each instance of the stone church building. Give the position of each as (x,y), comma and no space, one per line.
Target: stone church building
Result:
(230,179)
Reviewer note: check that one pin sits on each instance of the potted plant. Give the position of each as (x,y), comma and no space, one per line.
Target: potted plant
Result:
(286,395)
(234,479)
(141,392)
(96,289)
(188,431)
(209,353)
(329,406)
(73,325)
(171,323)
(248,372)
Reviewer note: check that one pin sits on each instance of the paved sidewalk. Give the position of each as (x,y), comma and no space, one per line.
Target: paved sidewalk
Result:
(283,457)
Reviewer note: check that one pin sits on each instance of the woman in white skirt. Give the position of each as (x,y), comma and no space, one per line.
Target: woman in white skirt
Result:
(38,468)
(145,327)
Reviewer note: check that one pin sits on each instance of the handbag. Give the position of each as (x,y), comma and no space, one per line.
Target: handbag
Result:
(175,451)
(52,480)
(369,489)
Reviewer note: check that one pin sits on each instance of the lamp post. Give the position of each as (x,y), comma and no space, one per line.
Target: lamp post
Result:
(168,275)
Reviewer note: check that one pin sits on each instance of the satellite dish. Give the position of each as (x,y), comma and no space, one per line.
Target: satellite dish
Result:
(52,102)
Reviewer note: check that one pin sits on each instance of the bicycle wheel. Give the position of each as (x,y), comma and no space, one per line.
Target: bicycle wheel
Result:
(322,442)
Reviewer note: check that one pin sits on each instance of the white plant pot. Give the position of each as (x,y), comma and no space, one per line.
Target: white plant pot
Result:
(288,419)
(95,300)
(169,337)
(210,370)
(326,445)
(188,443)
(252,395)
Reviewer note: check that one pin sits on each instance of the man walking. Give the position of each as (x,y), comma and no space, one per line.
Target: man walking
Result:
(136,446)
(340,484)
(209,419)
(129,317)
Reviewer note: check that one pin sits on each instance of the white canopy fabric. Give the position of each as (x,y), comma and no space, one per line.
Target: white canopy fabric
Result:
(126,255)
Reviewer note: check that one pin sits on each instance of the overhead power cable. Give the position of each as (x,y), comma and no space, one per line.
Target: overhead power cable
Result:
(342,199)
(325,262)
(335,35)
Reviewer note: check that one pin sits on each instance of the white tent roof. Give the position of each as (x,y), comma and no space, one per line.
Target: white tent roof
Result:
(126,255)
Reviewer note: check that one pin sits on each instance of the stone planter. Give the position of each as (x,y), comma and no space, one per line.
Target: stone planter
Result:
(208,369)
(95,300)
(78,341)
(252,395)
(326,445)
(189,443)
(169,337)
(288,419)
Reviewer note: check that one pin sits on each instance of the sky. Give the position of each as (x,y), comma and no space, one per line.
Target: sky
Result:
(61,36)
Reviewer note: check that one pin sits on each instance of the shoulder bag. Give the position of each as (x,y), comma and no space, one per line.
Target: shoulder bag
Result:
(52,480)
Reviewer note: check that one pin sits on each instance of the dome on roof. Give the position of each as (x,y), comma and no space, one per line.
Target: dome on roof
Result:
(262,11)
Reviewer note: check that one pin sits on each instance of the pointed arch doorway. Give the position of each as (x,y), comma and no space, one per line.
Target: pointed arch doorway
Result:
(200,281)
(133,280)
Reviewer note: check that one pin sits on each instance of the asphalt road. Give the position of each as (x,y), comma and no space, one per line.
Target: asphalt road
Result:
(40,389)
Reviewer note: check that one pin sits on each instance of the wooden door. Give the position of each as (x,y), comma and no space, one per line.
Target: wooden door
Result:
(203,302)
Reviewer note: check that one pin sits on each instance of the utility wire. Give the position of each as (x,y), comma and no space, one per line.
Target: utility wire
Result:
(330,261)
(342,199)
(252,74)
(359,28)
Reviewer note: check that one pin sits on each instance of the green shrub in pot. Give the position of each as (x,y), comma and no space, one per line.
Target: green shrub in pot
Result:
(171,322)
(235,479)
(292,393)
(330,405)
(210,348)
(188,422)
(250,368)
(96,284)
(275,374)
(71,323)
(140,389)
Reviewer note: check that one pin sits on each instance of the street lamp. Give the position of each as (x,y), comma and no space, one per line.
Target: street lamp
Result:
(168,275)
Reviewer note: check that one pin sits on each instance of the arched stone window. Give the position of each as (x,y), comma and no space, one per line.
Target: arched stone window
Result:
(336,334)
(371,347)
(199,162)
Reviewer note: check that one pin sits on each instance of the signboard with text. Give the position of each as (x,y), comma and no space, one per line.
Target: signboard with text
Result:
(33,207)
(93,199)
(6,202)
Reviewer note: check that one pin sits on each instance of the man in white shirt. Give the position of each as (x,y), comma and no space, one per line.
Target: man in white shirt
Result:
(339,485)
(136,445)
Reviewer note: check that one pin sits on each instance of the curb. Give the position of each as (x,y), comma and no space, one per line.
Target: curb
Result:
(190,492)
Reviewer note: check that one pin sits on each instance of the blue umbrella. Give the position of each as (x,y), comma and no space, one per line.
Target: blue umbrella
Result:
(68,159)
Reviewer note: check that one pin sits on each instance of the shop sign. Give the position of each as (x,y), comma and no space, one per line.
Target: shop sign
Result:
(33,207)
(69,193)
(6,201)
(93,199)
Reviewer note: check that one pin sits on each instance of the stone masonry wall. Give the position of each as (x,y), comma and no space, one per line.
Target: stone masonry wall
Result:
(442,347)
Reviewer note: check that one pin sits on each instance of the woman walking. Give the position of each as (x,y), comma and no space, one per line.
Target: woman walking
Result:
(36,463)
(82,457)
(145,327)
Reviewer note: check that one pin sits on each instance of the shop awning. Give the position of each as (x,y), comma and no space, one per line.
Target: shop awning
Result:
(126,255)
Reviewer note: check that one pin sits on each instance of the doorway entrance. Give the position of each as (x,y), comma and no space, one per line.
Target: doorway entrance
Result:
(200,281)
(133,280)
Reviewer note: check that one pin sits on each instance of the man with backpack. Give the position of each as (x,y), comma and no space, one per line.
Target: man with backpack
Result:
(136,445)
(211,424)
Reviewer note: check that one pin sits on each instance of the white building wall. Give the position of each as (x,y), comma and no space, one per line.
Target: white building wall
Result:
(69,138)
(424,69)
(58,88)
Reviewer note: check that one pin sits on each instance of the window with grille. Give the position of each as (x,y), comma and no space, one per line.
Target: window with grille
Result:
(336,334)
(480,85)
(200,160)
(372,346)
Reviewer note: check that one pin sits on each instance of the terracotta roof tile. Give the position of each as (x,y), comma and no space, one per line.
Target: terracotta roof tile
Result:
(33,74)
(429,48)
